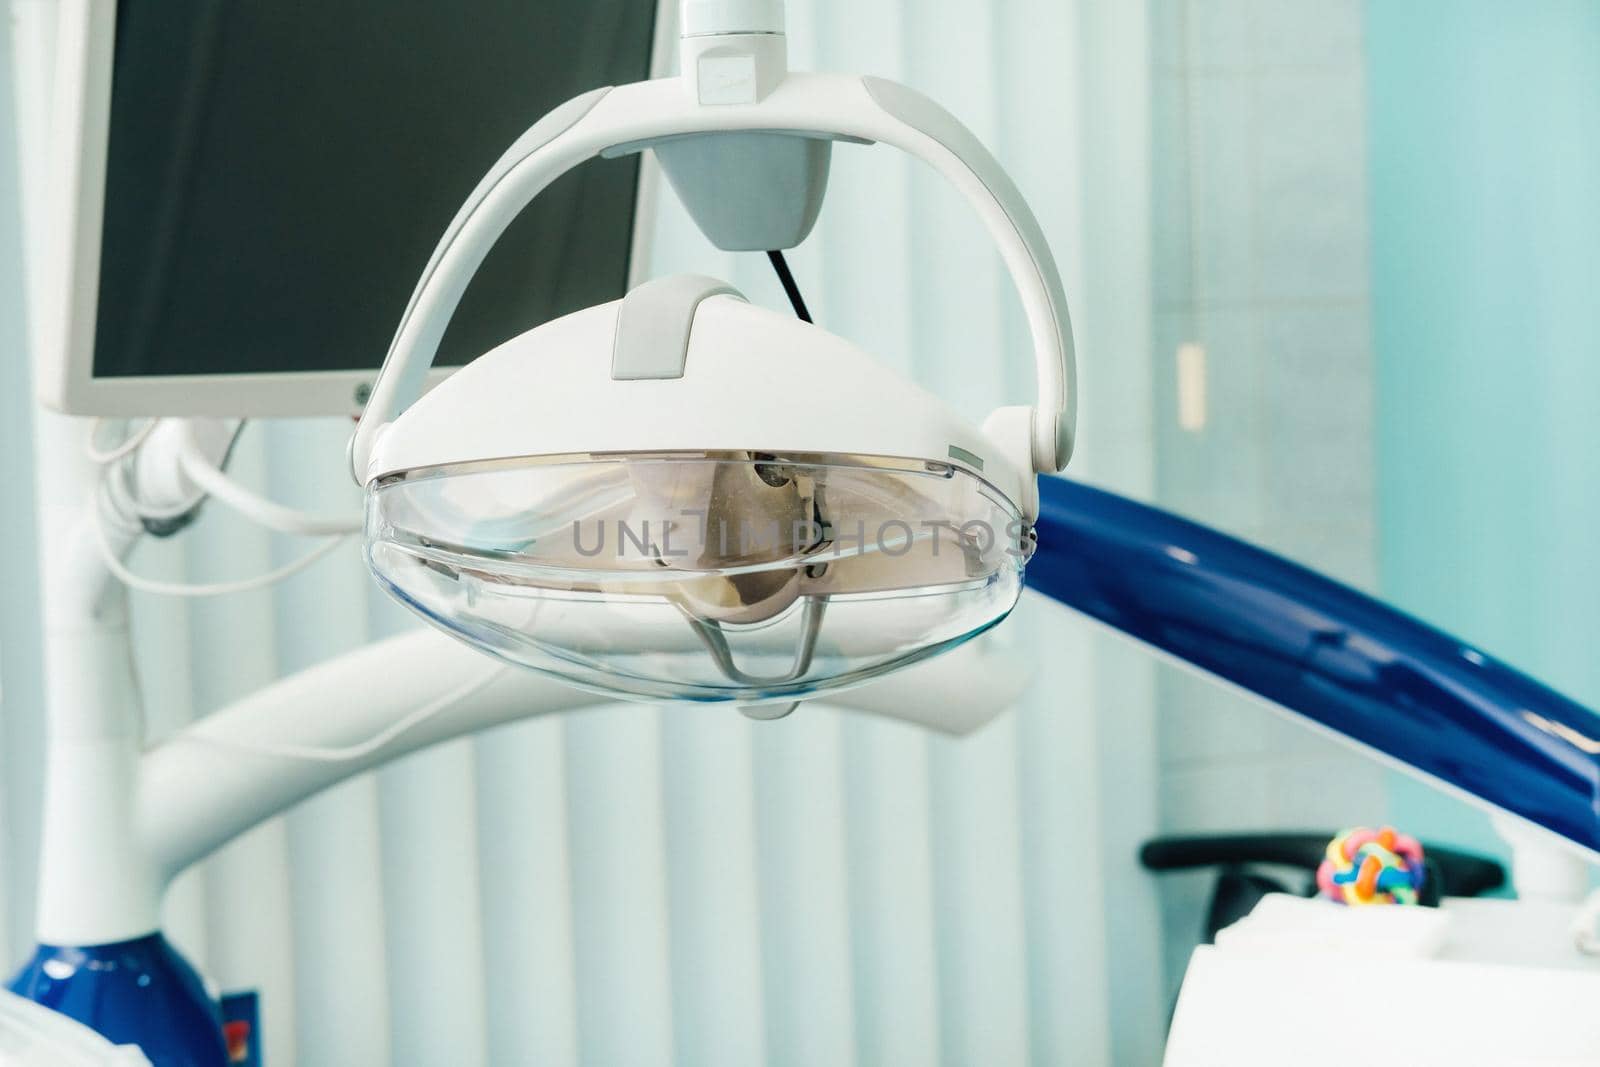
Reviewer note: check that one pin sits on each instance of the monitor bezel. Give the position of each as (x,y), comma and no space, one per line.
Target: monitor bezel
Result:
(74,211)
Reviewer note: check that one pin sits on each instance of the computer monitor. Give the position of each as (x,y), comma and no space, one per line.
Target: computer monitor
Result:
(248,190)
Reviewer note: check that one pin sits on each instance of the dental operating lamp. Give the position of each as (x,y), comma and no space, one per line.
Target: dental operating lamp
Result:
(681,496)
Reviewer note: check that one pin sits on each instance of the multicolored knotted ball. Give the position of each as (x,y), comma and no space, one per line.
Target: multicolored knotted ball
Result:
(1366,866)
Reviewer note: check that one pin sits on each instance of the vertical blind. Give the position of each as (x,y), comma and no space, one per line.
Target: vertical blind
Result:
(638,885)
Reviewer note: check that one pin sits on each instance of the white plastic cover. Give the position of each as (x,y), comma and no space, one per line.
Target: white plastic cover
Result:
(32,1035)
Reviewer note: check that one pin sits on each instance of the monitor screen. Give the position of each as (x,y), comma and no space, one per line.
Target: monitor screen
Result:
(278,172)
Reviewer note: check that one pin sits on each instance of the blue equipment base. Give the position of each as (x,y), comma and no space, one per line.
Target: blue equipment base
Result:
(140,992)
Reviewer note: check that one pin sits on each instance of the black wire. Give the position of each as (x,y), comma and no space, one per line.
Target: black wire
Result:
(785,276)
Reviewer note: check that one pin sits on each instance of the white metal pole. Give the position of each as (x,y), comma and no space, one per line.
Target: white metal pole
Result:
(96,885)
(732,51)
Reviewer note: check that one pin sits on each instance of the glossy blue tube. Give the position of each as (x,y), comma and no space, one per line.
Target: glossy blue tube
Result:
(139,992)
(1324,651)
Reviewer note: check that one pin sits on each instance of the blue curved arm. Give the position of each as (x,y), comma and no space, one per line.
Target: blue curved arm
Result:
(1324,651)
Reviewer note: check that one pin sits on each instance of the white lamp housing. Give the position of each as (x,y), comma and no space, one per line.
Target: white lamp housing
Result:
(679,495)
(585,500)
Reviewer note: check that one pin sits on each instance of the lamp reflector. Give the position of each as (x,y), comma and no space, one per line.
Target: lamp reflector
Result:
(720,576)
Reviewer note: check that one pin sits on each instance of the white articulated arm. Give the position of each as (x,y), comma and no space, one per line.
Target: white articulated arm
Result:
(243,765)
(240,766)
(610,121)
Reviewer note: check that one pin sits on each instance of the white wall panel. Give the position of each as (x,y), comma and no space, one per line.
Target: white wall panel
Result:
(713,894)
(977,877)
(249,925)
(427,806)
(894,941)
(336,886)
(806,938)
(526,857)
(342,980)
(621,919)
(1059,818)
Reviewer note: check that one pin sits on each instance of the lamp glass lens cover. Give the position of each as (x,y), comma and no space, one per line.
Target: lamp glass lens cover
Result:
(743,576)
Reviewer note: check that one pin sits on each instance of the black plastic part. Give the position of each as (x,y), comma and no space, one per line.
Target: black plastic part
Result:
(790,287)
(1452,873)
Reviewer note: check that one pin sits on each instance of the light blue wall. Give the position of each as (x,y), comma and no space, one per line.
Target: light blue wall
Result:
(21,691)
(1259,255)
(1484,123)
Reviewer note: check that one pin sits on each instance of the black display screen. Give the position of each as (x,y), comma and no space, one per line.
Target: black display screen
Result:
(279,172)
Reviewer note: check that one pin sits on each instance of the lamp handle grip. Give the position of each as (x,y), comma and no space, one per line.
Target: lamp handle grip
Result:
(868,109)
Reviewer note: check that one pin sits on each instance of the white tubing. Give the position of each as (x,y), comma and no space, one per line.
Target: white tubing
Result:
(362,749)
(122,449)
(120,570)
(199,469)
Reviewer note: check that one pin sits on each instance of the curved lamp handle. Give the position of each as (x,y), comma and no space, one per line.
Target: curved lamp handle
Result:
(849,106)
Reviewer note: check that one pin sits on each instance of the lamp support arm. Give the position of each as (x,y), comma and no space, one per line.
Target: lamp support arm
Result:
(232,770)
(843,107)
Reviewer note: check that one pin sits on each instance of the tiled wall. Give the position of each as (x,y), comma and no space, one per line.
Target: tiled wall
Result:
(1260,257)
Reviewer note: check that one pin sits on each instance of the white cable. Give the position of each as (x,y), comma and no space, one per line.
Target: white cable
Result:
(125,448)
(118,477)
(199,469)
(123,574)
(364,748)
(118,485)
